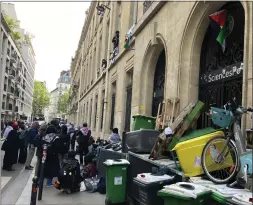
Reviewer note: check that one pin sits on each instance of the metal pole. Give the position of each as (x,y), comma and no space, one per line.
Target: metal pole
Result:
(80,85)
(1,69)
(1,75)
(106,78)
(34,191)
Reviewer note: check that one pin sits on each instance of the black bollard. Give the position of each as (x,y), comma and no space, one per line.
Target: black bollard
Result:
(124,145)
(34,191)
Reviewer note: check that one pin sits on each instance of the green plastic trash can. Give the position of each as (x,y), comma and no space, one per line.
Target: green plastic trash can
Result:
(143,122)
(116,181)
(221,193)
(184,193)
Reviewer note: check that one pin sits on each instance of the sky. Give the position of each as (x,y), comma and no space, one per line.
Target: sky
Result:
(57,28)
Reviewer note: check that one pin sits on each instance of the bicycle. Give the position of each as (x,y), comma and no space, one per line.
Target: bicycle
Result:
(218,148)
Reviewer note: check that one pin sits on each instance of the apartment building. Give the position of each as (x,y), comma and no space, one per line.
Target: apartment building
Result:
(62,86)
(18,62)
(132,56)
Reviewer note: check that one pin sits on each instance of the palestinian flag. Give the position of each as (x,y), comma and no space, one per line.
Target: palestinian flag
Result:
(219,25)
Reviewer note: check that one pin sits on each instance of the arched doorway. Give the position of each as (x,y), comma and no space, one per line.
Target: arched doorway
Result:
(221,70)
(159,80)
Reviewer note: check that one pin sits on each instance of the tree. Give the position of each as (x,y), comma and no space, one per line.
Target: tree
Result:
(63,103)
(13,24)
(41,98)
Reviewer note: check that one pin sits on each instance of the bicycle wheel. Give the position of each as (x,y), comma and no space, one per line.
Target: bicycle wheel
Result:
(220,168)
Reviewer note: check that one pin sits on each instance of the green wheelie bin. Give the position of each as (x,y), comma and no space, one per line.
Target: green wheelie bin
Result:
(116,181)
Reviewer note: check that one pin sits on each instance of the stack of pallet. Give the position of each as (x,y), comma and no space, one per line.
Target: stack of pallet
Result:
(183,123)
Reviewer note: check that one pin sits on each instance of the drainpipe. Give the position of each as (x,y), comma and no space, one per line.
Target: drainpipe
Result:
(2,69)
(80,85)
(106,77)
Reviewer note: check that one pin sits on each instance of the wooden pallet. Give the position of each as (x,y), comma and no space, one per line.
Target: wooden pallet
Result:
(188,123)
(162,143)
(168,113)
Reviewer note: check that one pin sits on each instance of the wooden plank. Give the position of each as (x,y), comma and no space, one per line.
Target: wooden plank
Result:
(190,119)
(157,124)
(181,116)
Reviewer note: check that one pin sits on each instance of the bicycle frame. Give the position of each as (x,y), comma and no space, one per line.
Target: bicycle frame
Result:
(235,130)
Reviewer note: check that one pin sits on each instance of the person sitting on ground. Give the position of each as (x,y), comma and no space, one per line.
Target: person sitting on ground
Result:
(114,138)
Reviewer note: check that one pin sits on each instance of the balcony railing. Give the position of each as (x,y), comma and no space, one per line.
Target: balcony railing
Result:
(10,107)
(146,5)
(14,57)
(12,74)
(12,90)
(8,52)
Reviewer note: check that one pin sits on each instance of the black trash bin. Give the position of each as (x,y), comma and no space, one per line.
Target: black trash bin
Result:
(147,190)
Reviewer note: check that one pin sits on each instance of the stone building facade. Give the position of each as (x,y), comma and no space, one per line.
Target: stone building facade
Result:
(17,70)
(172,54)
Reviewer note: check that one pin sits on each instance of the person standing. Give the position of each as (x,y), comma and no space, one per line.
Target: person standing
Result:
(22,144)
(32,133)
(72,137)
(10,146)
(83,141)
(65,141)
(7,129)
(52,165)
(38,144)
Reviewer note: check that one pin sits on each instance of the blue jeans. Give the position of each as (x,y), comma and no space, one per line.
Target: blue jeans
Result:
(49,182)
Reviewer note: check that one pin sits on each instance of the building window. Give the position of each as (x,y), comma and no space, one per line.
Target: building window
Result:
(95,114)
(112,111)
(102,110)
(90,112)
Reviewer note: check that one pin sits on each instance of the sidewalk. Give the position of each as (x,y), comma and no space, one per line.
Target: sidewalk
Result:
(52,196)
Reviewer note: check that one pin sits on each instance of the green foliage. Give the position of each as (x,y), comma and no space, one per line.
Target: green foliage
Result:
(41,98)
(63,103)
(13,24)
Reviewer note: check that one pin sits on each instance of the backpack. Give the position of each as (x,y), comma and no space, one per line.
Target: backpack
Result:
(69,177)
(101,186)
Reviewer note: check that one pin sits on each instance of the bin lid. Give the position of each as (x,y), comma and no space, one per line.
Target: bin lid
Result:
(149,178)
(186,189)
(111,162)
(143,116)
(243,199)
(200,181)
(224,191)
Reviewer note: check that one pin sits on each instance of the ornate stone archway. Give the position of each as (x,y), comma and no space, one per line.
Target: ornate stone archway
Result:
(190,50)
(149,64)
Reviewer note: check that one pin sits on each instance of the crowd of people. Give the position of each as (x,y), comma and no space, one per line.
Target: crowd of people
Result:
(23,141)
